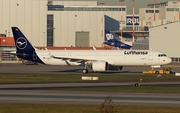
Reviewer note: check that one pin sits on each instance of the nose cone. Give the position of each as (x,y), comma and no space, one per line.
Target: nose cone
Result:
(168,60)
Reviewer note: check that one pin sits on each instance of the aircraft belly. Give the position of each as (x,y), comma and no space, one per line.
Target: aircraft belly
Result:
(135,61)
(127,61)
(55,62)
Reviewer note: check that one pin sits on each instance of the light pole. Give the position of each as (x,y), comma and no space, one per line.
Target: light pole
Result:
(133,19)
(102,22)
(121,1)
(154,13)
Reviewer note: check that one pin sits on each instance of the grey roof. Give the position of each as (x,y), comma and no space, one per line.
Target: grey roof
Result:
(145,41)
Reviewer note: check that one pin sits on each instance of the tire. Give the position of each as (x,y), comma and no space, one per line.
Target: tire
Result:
(85,71)
(156,72)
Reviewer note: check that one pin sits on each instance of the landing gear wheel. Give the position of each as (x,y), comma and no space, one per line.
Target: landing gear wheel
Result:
(157,72)
(85,71)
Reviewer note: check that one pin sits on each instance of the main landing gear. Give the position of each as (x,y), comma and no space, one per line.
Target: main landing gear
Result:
(85,70)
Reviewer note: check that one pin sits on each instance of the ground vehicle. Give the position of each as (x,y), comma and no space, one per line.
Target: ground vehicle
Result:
(161,71)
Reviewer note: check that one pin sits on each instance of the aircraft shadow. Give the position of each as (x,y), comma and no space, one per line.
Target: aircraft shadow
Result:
(68,71)
(120,72)
(90,71)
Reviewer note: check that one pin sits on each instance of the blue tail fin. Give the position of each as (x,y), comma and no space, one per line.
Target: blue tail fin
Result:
(21,42)
(110,40)
(24,49)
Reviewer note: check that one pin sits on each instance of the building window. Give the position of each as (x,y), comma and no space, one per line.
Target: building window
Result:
(123,9)
(172,9)
(152,11)
(55,7)
(176,59)
(50,30)
(156,11)
(62,8)
(49,41)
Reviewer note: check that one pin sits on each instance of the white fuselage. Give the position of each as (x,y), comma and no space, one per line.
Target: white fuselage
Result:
(113,57)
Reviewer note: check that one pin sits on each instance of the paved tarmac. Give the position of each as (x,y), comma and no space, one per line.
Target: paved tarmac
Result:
(40,93)
(77,97)
(46,86)
(20,68)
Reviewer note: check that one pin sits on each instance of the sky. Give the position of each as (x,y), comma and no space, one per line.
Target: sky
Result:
(128,3)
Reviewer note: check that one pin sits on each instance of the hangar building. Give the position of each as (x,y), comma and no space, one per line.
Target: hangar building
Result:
(60,23)
(163,29)
(166,38)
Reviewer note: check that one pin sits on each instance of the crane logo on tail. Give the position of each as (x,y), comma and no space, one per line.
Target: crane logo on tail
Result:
(21,43)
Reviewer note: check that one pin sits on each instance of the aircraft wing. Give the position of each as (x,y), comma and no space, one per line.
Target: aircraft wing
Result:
(74,59)
(78,60)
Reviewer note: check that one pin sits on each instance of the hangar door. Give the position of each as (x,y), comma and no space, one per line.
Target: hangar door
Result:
(82,39)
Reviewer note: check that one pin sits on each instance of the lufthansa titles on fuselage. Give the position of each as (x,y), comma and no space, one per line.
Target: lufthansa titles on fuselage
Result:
(135,52)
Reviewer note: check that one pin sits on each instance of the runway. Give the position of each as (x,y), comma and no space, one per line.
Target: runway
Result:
(76,97)
(46,86)
(41,93)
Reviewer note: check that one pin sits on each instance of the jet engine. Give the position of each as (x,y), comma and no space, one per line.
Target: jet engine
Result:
(99,66)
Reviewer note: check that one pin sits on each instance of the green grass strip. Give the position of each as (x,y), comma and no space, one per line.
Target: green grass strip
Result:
(53,78)
(71,108)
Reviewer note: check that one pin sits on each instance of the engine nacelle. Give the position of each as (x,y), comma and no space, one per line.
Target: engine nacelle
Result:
(99,66)
(115,67)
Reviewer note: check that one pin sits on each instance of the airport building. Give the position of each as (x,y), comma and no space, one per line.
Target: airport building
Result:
(60,23)
(163,28)
(165,12)
(165,36)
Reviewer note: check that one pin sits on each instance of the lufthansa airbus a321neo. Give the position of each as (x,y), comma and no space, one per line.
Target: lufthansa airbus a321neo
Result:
(97,60)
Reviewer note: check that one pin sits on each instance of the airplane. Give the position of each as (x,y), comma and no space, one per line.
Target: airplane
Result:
(97,60)
(112,41)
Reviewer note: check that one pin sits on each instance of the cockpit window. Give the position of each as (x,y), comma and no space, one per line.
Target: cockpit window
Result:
(164,54)
(161,55)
